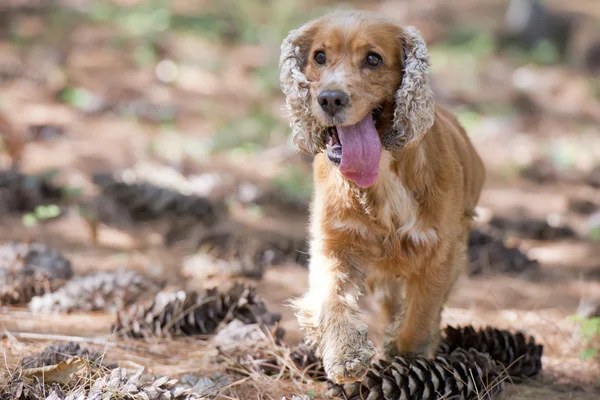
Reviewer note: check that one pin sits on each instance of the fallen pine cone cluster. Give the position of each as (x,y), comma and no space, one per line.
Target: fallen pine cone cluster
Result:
(532,228)
(182,313)
(19,389)
(488,253)
(272,363)
(103,384)
(101,291)
(470,363)
(60,351)
(460,375)
(145,201)
(520,356)
(251,253)
(250,193)
(27,270)
(22,193)
(96,380)
(119,385)
(543,171)
(306,361)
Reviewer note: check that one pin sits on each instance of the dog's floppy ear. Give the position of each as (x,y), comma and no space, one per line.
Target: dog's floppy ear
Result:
(414,110)
(308,134)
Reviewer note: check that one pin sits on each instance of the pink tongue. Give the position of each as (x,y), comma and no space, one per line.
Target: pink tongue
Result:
(361,151)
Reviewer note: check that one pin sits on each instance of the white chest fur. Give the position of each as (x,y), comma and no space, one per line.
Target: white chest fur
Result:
(388,205)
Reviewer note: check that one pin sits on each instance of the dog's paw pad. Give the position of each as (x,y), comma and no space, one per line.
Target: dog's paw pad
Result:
(352,367)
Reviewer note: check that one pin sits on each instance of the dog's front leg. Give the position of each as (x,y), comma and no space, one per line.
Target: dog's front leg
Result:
(328,315)
(416,330)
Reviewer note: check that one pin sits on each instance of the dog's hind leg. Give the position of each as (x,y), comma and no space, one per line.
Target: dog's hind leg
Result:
(389,293)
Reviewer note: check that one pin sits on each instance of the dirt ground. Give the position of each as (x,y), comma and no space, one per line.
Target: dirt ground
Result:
(101,86)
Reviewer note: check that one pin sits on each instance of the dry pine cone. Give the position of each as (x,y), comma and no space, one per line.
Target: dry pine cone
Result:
(252,252)
(303,358)
(138,387)
(57,352)
(521,357)
(101,291)
(488,253)
(27,270)
(532,228)
(512,354)
(22,193)
(117,385)
(460,375)
(146,201)
(183,313)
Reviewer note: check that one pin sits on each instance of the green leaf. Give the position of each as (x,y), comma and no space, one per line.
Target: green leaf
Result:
(575,318)
(71,192)
(47,212)
(591,328)
(587,354)
(29,220)
(545,52)
(81,99)
(49,174)
(595,233)
(256,211)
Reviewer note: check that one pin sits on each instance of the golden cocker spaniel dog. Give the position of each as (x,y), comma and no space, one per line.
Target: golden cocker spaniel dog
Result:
(396,184)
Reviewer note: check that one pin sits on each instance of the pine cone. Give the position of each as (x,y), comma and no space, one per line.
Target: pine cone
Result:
(19,389)
(270,361)
(520,357)
(514,354)
(532,228)
(460,375)
(248,192)
(307,361)
(22,193)
(146,201)
(184,313)
(251,252)
(488,253)
(593,178)
(27,270)
(101,291)
(139,387)
(104,386)
(57,352)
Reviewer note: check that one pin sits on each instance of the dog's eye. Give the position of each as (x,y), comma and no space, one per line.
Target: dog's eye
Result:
(320,58)
(373,60)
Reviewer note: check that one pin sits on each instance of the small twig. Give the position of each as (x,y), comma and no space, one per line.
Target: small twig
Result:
(236,383)
(100,341)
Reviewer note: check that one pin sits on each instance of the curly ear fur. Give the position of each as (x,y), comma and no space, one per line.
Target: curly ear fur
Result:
(414,112)
(308,134)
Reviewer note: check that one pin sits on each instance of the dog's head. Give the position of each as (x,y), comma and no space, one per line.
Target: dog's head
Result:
(354,82)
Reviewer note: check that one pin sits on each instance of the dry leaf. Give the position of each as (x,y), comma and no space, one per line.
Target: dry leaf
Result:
(60,373)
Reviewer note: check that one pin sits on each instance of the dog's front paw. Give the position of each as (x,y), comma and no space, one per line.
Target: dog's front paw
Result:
(351,362)
(394,347)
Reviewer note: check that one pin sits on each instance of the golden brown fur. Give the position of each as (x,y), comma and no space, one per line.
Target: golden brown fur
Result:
(404,238)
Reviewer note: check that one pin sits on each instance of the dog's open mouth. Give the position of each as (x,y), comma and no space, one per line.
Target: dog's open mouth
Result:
(334,146)
(357,149)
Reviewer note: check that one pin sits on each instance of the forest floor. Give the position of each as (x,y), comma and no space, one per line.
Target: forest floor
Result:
(122,86)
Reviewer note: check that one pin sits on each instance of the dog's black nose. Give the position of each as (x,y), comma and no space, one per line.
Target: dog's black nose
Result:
(331,101)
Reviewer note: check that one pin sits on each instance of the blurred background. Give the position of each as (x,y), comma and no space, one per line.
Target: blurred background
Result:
(149,135)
